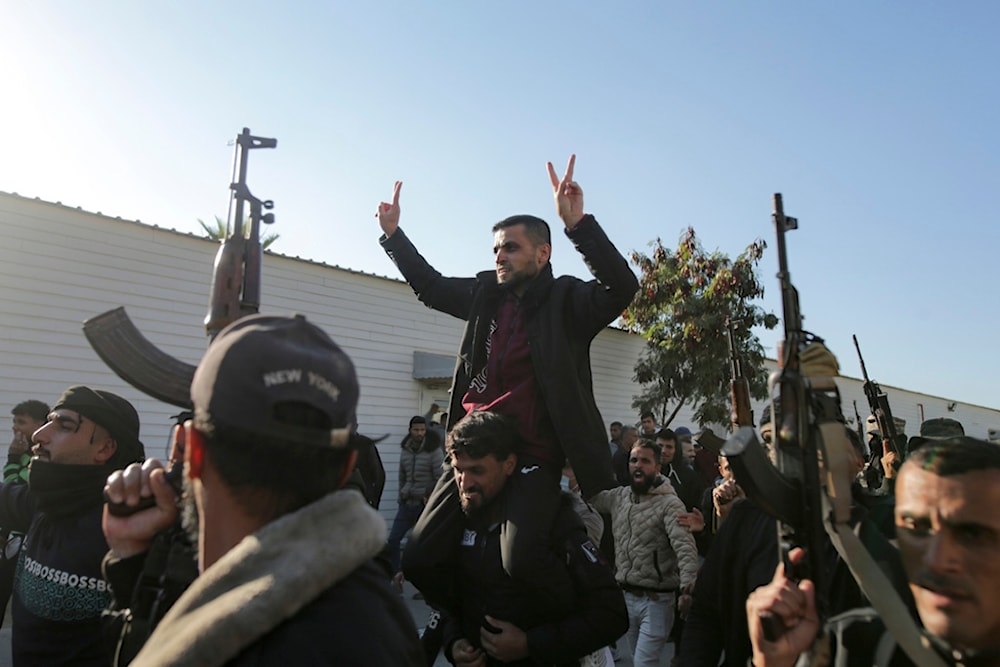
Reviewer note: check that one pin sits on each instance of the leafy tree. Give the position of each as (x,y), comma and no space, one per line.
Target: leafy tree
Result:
(220,229)
(686,296)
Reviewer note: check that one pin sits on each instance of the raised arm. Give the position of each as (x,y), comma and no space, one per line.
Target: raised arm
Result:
(134,533)
(449,295)
(794,603)
(568,194)
(598,304)
(388,214)
(682,542)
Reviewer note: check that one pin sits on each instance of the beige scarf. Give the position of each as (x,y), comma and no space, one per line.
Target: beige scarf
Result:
(266,579)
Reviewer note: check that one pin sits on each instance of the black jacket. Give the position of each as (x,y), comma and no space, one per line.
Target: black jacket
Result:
(743,556)
(59,592)
(559,631)
(562,316)
(360,621)
(301,590)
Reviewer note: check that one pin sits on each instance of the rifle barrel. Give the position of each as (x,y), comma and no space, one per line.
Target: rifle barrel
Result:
(864,371)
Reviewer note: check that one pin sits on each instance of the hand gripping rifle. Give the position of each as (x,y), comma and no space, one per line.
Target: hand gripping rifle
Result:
(235,292)
(878,401)
(789,490)
(812,503)
(739,386)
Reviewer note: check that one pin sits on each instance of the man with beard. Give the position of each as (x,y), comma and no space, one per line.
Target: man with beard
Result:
(655,556)
(948,528)
(525,353)
(499,619)
(286,556)
(59,593)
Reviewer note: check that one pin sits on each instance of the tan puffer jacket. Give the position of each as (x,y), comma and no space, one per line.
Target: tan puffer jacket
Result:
(651,549)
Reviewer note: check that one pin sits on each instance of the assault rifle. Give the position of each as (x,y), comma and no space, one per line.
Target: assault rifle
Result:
(739,387)
(791,488)
(235,292)
(813,505)
(879,404)
(237,274)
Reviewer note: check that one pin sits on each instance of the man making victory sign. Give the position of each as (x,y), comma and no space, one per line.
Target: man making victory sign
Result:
(525,353)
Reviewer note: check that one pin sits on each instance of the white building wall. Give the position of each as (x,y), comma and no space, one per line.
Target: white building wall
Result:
(60,266)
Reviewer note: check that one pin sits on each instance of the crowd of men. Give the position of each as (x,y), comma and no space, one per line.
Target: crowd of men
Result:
(535,539)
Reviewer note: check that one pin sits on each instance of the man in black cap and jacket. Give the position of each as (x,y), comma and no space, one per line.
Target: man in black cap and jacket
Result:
(285,553)
(59,593)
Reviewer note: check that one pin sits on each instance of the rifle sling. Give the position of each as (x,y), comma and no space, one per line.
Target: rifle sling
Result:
(880,592)
(836,502)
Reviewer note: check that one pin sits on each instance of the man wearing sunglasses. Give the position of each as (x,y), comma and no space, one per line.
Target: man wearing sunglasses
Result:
(59,592)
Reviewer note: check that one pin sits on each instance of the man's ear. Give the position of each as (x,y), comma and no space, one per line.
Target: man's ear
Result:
(194,451)
(349,463)
(543,253)
(509,464)
(107,449)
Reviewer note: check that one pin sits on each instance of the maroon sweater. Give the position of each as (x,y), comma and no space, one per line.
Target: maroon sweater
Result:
(507,385)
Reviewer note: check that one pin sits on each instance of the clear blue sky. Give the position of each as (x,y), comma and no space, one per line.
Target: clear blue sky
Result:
(877,121)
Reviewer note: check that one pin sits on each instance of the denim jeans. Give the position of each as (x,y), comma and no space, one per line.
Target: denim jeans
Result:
(406,518)
(649,624)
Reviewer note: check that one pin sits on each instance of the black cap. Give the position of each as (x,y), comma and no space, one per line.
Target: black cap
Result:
(940,428)
(112,412)
(260,362)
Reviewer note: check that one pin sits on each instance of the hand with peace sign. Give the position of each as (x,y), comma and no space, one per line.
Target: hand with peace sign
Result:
(568,194)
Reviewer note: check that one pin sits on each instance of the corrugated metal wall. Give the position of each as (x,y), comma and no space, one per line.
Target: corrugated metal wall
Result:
(60,266)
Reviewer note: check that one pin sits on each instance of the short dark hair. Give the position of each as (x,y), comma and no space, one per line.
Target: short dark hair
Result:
(305,473)
(417,419)
(618,424)
(481,433)
(647,414)
(646,443)
(666,434)
(37,410)
(536,229)
(956,456)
